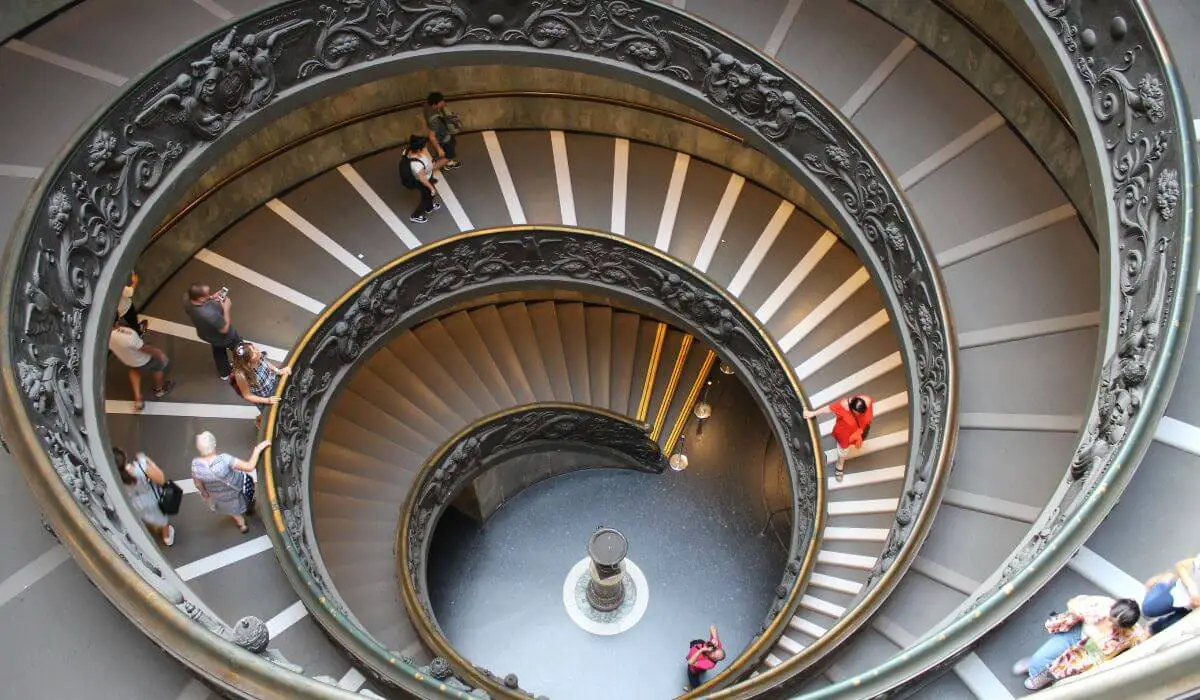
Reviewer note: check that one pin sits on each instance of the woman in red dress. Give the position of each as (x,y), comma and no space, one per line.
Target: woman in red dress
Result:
(854,415)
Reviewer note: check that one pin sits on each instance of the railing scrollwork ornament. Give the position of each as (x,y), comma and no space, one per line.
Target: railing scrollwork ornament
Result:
(1127,98)
(415,287)
(97,203)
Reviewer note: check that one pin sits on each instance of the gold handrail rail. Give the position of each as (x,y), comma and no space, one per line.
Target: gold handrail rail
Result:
(756,650)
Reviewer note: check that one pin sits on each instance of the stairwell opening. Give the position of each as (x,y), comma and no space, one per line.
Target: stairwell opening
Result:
(496,585)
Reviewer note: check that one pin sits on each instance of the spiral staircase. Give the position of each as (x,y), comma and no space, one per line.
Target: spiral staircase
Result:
(1023,259)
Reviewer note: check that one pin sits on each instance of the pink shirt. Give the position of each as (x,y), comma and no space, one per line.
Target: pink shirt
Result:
(702,663)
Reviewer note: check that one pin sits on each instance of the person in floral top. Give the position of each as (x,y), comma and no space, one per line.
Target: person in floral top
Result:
(1093,630)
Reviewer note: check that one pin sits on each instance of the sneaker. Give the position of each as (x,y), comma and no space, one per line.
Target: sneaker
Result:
(1039,681)
(164,389)
(451,165)
(419,219)
(435,207)
(170,536)
(1021,668)
(224,377)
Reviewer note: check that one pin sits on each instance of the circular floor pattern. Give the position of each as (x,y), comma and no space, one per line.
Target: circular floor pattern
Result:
(606,624)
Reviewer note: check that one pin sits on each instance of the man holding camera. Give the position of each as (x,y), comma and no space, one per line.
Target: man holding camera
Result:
(209,313)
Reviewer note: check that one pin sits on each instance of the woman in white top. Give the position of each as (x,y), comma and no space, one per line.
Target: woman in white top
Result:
(225,482)
(139,477)
(423,166)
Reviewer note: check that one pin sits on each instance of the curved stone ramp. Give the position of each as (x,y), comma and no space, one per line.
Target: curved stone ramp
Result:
(436,380)
(1021,274)
(285,261)
(992,200)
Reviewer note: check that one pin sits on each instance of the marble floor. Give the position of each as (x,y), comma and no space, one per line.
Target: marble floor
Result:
(497,589)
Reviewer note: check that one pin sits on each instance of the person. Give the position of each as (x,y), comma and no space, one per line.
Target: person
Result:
(209,314)
(442,127)
(854,415)
(1171,596)
(1093,630)
(139,477)
(703,656)
(126,311)
(255,377)
(699,662)
(139,357)
(417,171)
(224,481)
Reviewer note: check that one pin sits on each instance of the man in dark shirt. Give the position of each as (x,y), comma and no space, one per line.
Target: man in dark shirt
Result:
(210,315)
(442,127)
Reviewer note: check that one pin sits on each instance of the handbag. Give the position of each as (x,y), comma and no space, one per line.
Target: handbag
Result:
(169,495)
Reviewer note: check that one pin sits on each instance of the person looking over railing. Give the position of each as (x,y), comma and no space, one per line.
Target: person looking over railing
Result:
(255,377)
(854,415)
(138,356)
(224,481)
(443,126)
(126,311)
(141,479)
(210,315)
(1093,630)
(1170,596)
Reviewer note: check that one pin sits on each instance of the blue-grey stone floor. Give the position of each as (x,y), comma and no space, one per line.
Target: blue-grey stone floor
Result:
(497,590)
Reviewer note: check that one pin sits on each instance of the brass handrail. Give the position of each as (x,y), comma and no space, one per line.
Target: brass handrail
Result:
(365,647)
(427,628)
(122,169)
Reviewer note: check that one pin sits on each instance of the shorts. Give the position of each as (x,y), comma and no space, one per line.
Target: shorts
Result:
(154,365)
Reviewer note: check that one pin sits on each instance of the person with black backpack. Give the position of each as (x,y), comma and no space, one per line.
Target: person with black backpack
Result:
(417,168)
(150,494)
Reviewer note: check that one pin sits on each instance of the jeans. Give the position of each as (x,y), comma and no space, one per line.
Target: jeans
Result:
(695,677)
(1158,603)
(449,148)
(425,204)
(221,354)
(1052,648)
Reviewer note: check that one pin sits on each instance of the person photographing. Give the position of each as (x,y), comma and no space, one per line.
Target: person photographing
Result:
(209,314)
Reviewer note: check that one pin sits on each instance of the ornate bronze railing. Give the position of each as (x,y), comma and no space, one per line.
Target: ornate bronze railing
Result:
(1128,105)
(95,208)
(610,440)
(420,284)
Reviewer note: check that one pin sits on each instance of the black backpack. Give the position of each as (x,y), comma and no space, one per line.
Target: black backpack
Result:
(407,177)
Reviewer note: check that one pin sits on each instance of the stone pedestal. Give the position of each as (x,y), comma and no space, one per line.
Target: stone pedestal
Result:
(606,588)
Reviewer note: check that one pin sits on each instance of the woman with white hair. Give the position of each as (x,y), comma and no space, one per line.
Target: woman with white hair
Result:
(224,481)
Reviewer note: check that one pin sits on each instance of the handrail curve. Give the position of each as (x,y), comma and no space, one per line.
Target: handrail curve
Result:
(475,449)
(420,284)
(1117,76)
(93,209)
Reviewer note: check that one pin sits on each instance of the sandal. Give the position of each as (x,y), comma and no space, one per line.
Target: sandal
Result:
(839,474)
